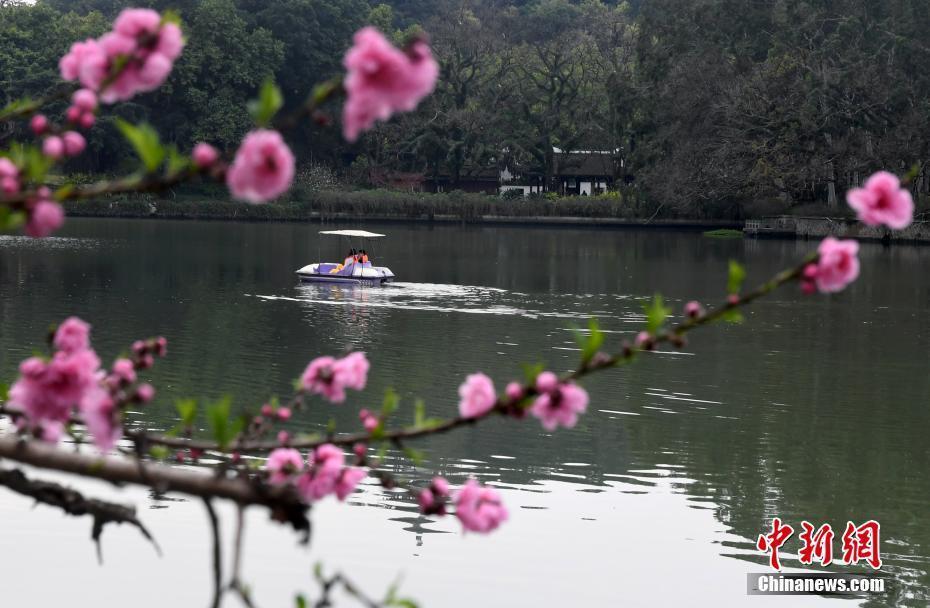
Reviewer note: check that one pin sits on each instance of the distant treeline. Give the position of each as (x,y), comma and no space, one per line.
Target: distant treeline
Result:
(711,103)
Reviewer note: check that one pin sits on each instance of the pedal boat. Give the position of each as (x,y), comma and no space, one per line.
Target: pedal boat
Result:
(353,273)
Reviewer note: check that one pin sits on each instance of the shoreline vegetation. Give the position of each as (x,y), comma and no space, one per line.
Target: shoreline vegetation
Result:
(610,211)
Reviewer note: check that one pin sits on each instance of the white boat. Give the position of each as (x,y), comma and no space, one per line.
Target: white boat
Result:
(352,270)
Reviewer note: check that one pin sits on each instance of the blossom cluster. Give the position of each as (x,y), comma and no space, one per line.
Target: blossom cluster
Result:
(330,377)
(479,508)
(49,390)
(382,80)
(323,473)
(557,403)
(881,201)
(136,56)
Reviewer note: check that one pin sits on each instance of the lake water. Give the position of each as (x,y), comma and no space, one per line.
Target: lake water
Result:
(815,409)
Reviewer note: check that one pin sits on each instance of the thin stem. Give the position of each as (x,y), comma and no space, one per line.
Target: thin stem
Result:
(217,554)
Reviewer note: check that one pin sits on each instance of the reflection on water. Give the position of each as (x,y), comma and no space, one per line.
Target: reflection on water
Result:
(815,409)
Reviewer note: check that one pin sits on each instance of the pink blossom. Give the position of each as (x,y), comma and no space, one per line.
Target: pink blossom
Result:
(325,465)
(263,168)
(53,147)
(432,500)
(45,217)
(838,265)
(145,393)
(330,377)
(9,176)
(74,114)
(347,480)
(353,370)
(161,346)
(546,381)
(882,201)
(283,436)
(102,418)
(74,143)
(319,378)
(514,391)
(369,421)
(47,391)
(204,155)
(85,62)
(38,124)
(84,99)
(267,410)
(644,340)
(477,396)
(284,413)
(479,508)
(694,309)
(87,120)
(382,80)
(283,464)
(561,406)
(72,335)
(124,370)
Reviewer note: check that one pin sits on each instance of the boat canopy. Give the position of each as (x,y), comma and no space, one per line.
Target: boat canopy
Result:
(359,233)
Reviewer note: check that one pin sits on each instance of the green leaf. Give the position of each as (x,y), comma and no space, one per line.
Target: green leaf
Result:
(219,421)
(187,410)
(300,601)
(733,316)
(62,193)
(331,426)
(590,342)
(415,456)
(656,313)
(32,162)
(390,404)
(4,392)
(18,107)
(736,277)
(171,16)
(531,370)
(267,105)
(419,413)
(145,142)
(177,162)
(10,220)
(159,452)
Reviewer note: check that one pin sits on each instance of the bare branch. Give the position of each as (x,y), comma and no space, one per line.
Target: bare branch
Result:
(74,503)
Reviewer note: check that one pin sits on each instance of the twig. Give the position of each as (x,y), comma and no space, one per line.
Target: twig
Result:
(217,554)
(236,583)
(284,503)
(74,503)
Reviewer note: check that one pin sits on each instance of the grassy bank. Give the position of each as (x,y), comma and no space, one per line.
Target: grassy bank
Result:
(213,203)
(367,203)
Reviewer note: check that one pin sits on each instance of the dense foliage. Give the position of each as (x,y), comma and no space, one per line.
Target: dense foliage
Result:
(711,103)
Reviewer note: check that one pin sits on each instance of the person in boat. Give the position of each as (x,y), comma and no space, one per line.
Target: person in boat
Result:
(364,256)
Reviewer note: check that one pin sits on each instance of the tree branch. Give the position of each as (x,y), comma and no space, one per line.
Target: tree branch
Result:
(76,504)
(284,503)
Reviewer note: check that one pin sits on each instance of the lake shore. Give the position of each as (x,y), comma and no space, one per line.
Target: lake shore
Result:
(605,212)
